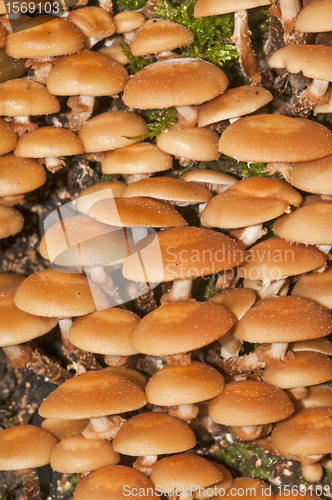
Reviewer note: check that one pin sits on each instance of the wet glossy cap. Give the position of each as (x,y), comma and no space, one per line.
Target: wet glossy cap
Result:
(197,144)
(315,18)
(48,142)
(19,175)
(314,61)
(216,7)
(94,22)
(21,97)
(11,221)
(8,137)
(96,192)
(316,286)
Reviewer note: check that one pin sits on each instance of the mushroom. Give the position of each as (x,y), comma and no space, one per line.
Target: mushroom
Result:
(277,321)
(97,395)
(96,192)
(318,395)
(127,23)
(232,104)
(316,286)
(180,255)
(269,263)
(216,182)
(246,205)
(175,82)
(10,280)
(49,145)
(85,76)
(11,221)
(23,448)
(78,455)
(314,62)
(17,177)
(307,368)
(175,329)
(114,481)
(182,387)
(262,138)
(32,41)
(8,137)
(94,22)
(62,429)
(111,130)
(108,332)
(313,176)
(136,162)
(185,475)
(160,37)
(151,434)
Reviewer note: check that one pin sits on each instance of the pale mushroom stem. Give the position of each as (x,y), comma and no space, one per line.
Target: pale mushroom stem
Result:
(53,163)
(282,168)
(178,359)
(325,249)
(187,116)
(289,11)
(274,354)
(99,276)
(184,412)
(22,124)
(179,292)
(31,483)
(242,364)
(82,108)
(316,93)
(117,361)
(103,427)
(230,346)
(248,433)
(241,38)
(145,464)
(312,473)
(248,235)
(227,279)
(135,177)
(297,393)
(17,355)
(267,289)
(107,5)
(65,325)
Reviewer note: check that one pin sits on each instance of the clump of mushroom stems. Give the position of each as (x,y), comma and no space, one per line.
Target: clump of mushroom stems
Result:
(241,38)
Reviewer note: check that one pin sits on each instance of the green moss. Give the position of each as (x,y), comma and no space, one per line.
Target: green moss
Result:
(97,179)
(240,169)
(210,290)
(248,460)
(132,4)
(158,121)
(73,483)
(211,33)
(136,63)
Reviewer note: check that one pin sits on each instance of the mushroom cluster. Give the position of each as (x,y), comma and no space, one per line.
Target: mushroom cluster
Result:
(191,286)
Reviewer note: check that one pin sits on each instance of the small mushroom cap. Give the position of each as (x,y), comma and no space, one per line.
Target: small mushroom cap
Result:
(307,368)
(248,403)
(313,60)
(158,35)
(181,327)
(19,175)
(250,487)
(283,319)
(315,18)
(81,241)
(48,142)
(197,144)
(185,470)
(174,82)
(128,21)
(153,434)
(11,222)
(209,178)
(322,345)
(87,73)
(32,38)
(89,196)
(318,395)
(115,52)
(8,137)
(57,295)
(10,280)
(22,97)
(169,189)
(222,485)
(141,158)
(114,482)
(105,332)
(265,187)
(136,212)
(182,253)
(128,373)
(76,454)
(111,130)
(236,300)
(310,224)
(316,286)
(276,138)
(184,385)
(17,326)
(216,7)
(62,429)
(17,452)
(233,103)
(93,21)
(308,432)
(312,176)
(275,258)
(92,394)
